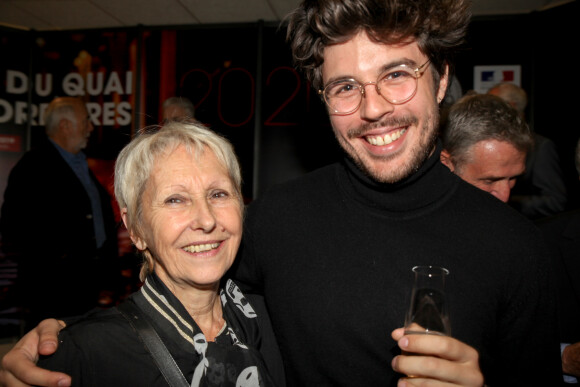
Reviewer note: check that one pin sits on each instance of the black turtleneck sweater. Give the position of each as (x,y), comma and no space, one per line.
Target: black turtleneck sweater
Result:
(333,251)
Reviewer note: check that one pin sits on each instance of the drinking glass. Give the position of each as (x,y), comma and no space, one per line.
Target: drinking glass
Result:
(427,312)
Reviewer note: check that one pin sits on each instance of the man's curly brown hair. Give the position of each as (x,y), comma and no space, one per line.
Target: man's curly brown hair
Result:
(438,26)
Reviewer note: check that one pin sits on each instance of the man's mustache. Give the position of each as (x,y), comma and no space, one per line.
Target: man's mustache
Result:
(392,122)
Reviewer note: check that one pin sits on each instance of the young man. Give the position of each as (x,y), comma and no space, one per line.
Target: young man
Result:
(485,142)
(333,250)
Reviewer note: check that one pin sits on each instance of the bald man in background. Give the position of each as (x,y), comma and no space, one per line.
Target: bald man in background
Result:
(178,109)
(57,220)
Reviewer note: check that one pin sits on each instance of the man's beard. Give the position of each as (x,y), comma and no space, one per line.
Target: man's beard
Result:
(419,153)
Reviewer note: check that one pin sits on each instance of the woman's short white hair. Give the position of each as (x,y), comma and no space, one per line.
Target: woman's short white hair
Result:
(135,164)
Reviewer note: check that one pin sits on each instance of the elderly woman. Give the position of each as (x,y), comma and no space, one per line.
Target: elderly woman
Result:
(178,189)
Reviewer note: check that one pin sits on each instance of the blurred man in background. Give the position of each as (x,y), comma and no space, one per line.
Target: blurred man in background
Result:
(57,220)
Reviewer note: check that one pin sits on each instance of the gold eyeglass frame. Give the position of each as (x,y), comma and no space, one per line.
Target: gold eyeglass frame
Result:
(419,71)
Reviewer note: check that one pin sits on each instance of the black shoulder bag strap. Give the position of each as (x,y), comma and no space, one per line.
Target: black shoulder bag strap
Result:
(153,343)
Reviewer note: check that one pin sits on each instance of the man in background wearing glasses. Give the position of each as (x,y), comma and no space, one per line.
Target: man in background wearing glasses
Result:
(333,250)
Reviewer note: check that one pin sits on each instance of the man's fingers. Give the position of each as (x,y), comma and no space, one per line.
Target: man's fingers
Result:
(438,358)
(444,347)
(48,335)
(24,372)
(398,333)
(422,366)
(34,376)
(19,364)
(8,380)
(426,366)
(411,382)
(438,370)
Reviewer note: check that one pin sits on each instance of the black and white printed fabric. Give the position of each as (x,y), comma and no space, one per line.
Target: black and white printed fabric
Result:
(101,349)
(231,359)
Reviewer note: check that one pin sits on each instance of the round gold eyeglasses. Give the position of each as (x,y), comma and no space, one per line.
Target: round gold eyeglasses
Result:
(397,84)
